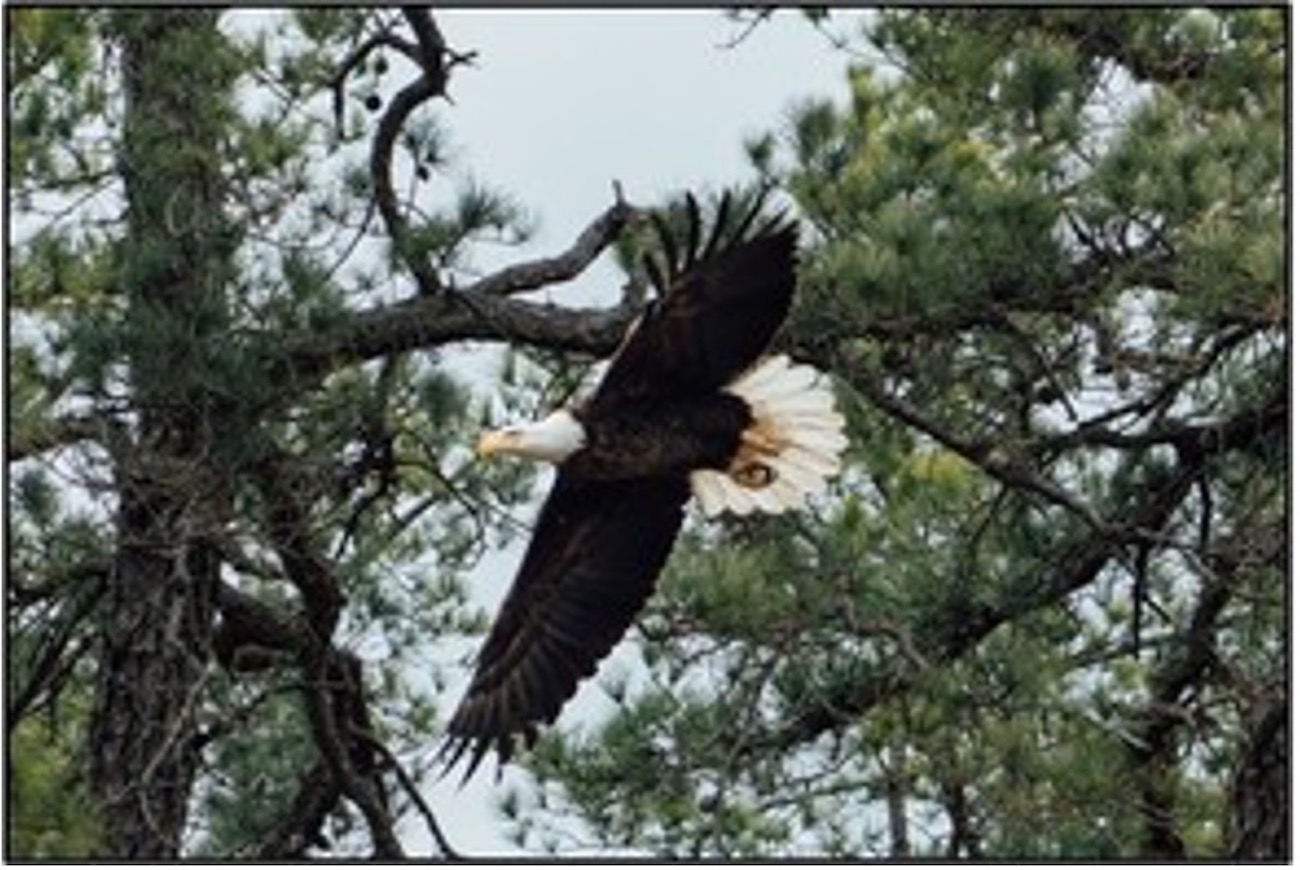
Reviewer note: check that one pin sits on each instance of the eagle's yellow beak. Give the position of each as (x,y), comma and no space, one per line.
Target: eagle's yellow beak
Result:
(495,442)
(549,440)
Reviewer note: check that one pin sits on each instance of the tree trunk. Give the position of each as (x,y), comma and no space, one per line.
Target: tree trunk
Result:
(157,623)
(896,802)
(1258,828)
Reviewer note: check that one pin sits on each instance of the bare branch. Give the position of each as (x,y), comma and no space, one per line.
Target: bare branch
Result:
(249,621)
(436,62)
(300,827)
(412,791)
(484,311)
(562,267)
(336,703)
(1161,717)
(402,106)
(302,556)
(357,57)
(750,18)
(336,710)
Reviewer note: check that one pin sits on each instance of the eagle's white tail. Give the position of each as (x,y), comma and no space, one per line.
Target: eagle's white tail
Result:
(788,452)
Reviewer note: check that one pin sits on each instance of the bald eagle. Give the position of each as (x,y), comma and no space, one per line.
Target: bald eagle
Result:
(686,407)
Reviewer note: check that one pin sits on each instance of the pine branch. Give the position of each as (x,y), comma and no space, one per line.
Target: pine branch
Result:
(484,311)
(958,628)
(60,648)
(993,461)
(52,434)
(562,267)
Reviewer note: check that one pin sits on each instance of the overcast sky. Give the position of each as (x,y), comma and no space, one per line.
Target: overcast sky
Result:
(558,105)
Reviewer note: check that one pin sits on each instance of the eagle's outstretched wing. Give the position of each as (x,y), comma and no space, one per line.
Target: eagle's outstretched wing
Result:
(600,545)
(721,304)
(592,562)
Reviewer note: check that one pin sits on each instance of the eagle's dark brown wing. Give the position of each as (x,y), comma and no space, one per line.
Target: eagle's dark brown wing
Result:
(721,305)
(592,562)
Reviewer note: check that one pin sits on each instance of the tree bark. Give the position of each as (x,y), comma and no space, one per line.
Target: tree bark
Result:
(896,790)
(1259,810)
(156,632)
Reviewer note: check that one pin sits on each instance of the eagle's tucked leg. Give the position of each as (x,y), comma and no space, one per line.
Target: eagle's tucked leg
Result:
(751,474)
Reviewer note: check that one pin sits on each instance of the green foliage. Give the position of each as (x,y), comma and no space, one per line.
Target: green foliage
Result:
(477,212)
(50,815)
(246,795)
(51,69)
(1043,248)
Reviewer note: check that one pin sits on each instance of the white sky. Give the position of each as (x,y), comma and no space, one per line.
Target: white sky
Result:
(559,105)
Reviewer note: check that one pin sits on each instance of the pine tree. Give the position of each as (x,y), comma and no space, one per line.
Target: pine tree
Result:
(237,450)
(1043,613)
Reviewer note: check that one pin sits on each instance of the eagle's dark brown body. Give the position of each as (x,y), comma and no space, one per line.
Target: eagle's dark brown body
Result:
(661,438)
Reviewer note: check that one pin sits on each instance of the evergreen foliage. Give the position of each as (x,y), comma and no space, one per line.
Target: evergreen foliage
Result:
(1042,614)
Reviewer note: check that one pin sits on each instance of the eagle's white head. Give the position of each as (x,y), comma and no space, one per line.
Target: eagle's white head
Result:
(551,439)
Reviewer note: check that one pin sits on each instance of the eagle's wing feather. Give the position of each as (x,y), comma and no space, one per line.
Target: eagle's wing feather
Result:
(592,562)
(719,314)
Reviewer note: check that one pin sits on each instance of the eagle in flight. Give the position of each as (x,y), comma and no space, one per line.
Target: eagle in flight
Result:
(688,406)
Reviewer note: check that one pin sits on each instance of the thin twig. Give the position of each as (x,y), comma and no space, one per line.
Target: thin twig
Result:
(408,784)
(757,17)
(356,58)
